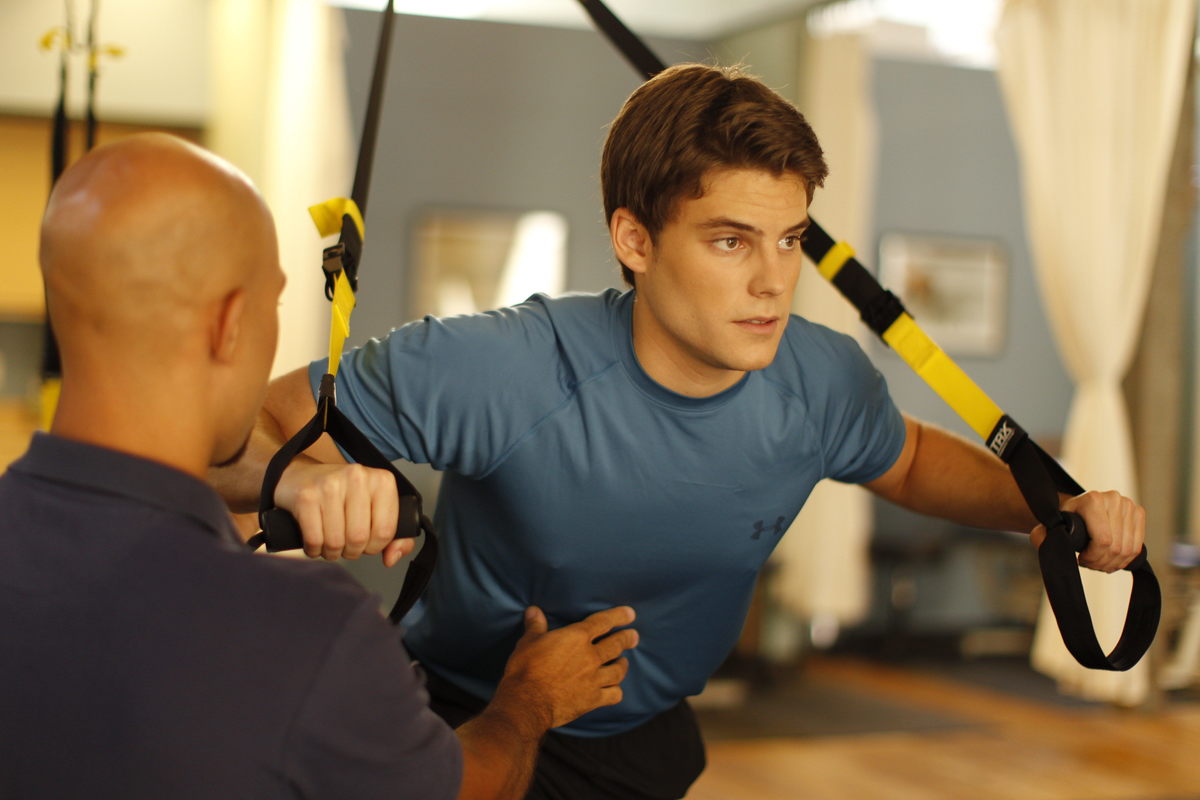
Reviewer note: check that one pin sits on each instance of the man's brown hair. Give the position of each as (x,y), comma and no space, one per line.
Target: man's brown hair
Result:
(690,119)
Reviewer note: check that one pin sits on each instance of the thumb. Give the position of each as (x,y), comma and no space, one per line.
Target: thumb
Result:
(535,620)
(1038,535)
(396,550)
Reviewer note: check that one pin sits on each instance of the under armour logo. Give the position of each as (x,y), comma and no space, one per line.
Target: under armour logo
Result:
(760,527)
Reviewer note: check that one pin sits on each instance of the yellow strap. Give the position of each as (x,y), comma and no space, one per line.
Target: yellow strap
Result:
(328,216)
(834,260)
(339,319)
(943,375)
(48,401)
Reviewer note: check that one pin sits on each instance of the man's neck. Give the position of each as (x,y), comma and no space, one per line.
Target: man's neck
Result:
(138,424)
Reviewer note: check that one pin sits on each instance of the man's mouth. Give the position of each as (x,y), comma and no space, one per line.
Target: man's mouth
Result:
(758,324)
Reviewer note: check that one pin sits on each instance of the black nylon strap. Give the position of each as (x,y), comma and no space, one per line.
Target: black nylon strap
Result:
(51,360)
(1038,476)
(93,75)
(631,46)
(280,530)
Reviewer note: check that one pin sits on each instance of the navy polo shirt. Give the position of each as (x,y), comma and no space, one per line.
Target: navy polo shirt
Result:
(147,654)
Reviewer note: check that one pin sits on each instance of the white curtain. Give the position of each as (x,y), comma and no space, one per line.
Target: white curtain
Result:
(1094,89)
(823,561)
(280,112)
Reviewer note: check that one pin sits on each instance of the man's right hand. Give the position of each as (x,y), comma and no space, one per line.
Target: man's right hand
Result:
(551,678)
(572,670)
(344,510)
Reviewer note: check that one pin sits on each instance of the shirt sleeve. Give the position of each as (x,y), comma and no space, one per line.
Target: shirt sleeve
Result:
(455,393)
(863,431)
(365,729)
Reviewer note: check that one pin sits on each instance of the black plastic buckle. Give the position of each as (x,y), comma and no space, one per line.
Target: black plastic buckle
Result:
(331,265)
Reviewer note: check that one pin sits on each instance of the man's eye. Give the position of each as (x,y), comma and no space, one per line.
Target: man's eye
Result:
(790,242)
(728,244)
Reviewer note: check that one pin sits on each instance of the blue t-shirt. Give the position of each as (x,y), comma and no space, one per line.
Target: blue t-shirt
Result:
(575,482)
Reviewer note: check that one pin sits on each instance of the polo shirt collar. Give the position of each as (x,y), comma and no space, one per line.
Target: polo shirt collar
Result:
(111,472)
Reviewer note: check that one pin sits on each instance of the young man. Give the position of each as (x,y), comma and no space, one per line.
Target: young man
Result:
(147,653)
(646,447)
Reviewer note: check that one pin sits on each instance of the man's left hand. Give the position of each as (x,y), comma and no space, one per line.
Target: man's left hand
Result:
(1116,524)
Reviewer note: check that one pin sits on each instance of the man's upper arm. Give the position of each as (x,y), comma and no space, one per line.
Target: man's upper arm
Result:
(890,485)
(289,406)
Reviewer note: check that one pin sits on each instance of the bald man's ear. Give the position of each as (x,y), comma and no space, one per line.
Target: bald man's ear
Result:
(227,325)
(630,240)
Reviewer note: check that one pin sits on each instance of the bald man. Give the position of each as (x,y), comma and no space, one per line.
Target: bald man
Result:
(147,654)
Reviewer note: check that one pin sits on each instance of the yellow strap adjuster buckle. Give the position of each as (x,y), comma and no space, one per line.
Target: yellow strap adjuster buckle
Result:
(328,218)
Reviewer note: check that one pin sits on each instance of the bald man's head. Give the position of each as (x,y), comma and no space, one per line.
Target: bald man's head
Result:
(152,250)
(147,231)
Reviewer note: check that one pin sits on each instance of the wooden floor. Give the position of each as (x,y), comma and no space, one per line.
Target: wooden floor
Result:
(1015,749)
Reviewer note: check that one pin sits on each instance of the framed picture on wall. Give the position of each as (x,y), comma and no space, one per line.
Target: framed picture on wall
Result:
(955,288)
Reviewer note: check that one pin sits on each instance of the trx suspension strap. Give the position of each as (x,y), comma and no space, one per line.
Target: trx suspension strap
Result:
(1038,476)
(51,364)
(340,264)
(64,39)
(93,55)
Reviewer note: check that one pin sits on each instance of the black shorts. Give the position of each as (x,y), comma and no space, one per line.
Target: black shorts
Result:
(658,760)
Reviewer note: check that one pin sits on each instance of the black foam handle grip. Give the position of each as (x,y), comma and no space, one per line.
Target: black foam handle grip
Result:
(281,531)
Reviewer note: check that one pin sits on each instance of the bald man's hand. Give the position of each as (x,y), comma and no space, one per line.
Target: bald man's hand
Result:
(571,670)
(344,510)
(551,678)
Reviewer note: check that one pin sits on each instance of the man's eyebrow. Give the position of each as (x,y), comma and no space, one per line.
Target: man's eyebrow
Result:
(726,222)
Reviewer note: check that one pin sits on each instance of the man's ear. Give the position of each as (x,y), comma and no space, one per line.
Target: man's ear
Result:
(630,240)
(227,325)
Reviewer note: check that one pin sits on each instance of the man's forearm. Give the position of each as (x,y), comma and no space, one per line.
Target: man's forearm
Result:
(289,405)
(500,749)
(955,479)
(240,483)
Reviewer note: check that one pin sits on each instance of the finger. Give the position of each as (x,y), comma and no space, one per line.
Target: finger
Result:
(1133,532)
(602,622)
(1139,526)
(308,515)
(333,521)
(357,511)
(612,646)
(385,511)
(535,620)
(1098,555)
(612,674)
(396,550)
(1120,532)
(1038,535)
(610,696)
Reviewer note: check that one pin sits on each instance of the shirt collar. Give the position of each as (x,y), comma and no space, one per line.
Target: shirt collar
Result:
(99,469)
